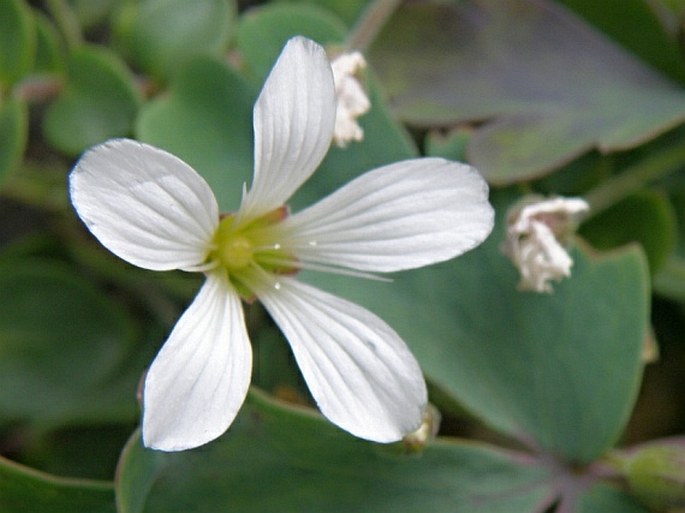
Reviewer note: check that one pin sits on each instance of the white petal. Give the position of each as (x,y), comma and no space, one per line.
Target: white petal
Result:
(293,125)
(145,205)
(400,216)
(200,377)
(360,372)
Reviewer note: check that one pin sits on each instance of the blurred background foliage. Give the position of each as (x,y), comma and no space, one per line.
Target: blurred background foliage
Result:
(571,402)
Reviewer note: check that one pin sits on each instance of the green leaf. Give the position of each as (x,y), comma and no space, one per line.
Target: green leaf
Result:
(263,31)
(677,196)
(160,35)
(206,119)
(557,370)
(670,280)
(603,498)
(76,451)
(24,489)
(347,10)
(279,458)
(64,348)
(549,87)
(646,217)
(450,145)
(91,12)
(636,25)
(138,470)
(13,135)
(49,52)
(579,176)
(41,185)
(99,102)
(677,7)
(17,41)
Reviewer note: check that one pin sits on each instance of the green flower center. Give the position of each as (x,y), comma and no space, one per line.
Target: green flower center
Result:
(247,251)
(234,251)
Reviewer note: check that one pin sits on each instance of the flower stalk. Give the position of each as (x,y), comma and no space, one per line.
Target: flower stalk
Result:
(370,23)
(635,177)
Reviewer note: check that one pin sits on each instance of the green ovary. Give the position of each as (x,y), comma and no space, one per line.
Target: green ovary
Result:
(244,249)
(235,253)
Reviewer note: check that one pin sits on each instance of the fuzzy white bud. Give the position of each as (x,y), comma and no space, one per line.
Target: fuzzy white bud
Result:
(351,98)
(536,233)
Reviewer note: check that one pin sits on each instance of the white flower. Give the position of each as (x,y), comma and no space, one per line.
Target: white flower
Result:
(153,210)
(534,231)
(352,101)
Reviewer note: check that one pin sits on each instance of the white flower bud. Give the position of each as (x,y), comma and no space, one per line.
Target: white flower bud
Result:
(536,233)
(352,101)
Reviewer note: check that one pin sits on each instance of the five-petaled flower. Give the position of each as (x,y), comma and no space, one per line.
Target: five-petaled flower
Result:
(153,210)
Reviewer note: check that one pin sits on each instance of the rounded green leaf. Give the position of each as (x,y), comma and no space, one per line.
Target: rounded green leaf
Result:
(348,10)
(577,177)
(63,348)
(603,498)
(559,371)
(206,119)
(638,26)
(49,52)
(548,87)
(286,459)
(159,35)
(17,41)
(646,217)
(24,489)
(263,31)
(91,12)
(451,145)
(13,135)
(86,452)
(99,101)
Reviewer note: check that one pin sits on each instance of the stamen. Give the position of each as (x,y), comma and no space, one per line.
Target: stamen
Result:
(313,266)
(258,279)
(267,247)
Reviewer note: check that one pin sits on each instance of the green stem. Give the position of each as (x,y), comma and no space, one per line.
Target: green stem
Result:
(68,23)
(634,178)
(670,280)
(370,23)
